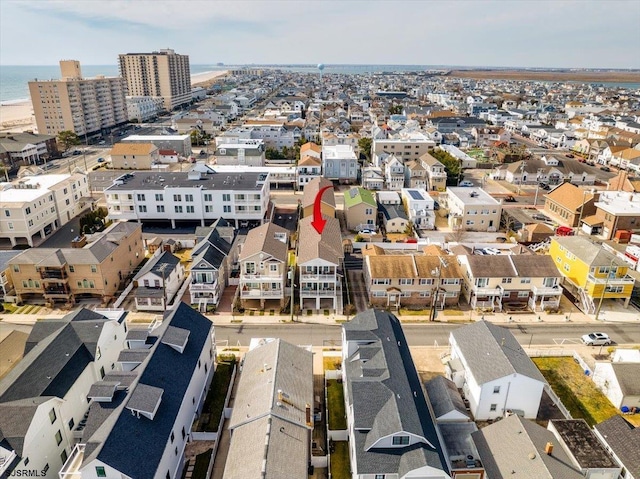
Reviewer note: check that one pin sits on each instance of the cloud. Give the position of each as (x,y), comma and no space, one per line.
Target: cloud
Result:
(497,33)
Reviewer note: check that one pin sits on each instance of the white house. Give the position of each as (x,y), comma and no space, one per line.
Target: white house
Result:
(154,414)
(158,281)
(340,163)
(240,152)
(394,173)
(473,209)
(308,168)
(392,432)
(420,207)
(619,382)
(199,195)
(494,372)
(44,398)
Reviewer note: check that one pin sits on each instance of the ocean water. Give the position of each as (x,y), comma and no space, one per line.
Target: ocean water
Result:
(14,79)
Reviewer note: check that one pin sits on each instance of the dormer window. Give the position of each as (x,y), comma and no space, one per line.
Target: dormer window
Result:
(400,440)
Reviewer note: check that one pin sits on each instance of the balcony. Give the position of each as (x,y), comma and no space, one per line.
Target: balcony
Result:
(71,468)
(56,293)
(617,281)
(264,293)
(546,291)
(314,293)
(54,274)
(318,277)
(262,277)
(488,291)
(206,287)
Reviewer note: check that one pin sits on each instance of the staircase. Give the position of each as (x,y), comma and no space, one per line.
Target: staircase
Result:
(588,306)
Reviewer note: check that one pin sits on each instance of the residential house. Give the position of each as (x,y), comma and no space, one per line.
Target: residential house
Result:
(328,201)
(415,175)
(320,258)
(466,161)
(361,209)
(420,208)
(411,280)
(394,219)
(6,285)
(494,372)
(201,194)
(615,211)
(311,149)
(168,156)
(473,209)
(436,174)
(134,156)
(160,403)
(273,404)
(63,275)
(405,145)
(583,447)
(627,159)
(211,262)
(33,207)
(624,182)
(516,447)
(340,163)
(568,204)
(158,281)
(394,173)
(620,437)
(392,432)
(539,276)
(264,267)
(373,178)
(43,399)
(619,382)
(549,170)
(241,152)
(179,143)
(446,401)
(308,168)
(26,148)
(590,272)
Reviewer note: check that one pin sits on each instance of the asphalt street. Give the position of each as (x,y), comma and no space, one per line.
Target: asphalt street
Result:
(425,334)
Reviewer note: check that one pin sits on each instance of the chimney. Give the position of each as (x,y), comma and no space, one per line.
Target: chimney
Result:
(548,448)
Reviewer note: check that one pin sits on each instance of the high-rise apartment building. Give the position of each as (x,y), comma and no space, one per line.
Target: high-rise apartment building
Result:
(83,105)
(162,74)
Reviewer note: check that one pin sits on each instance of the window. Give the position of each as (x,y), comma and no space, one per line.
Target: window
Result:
(188,198)
(379,476)
(226,208)
(382,281)
(177,197)
(7,213)
(142,208)
(273,268)
(523,294)
(159,197)
(226,197)
(10,225)
(496,389)
(208,197)
(525,280)
(178,209)
(209,208)
(400,440)
(190,209)
(16,268)
(140,197)
(52,416)
(173,436)
(425,294)
(506,280)
(493,407)
(184,434)
(424,281)
(100,472)
(406,281)
(160,208)
(28,210)
(71,424)
(102,372)
(58,437)
(379,294)
(94,269)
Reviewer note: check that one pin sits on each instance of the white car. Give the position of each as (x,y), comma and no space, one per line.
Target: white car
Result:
(491,251)
(465,183)
(367,232)
(596,339)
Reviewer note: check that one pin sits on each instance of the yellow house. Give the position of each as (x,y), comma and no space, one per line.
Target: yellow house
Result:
(590,271)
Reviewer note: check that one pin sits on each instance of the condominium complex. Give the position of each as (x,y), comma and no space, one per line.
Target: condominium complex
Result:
(162,74)
(83,105)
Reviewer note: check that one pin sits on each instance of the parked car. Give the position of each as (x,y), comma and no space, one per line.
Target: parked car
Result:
(540,217)
(510,199)
(544,186)
(569,155)
(367,232)
(465,183)
(596,339)
(491,251)
(436,205)
(605,168)
(100,160)
(102,142)
(77,152)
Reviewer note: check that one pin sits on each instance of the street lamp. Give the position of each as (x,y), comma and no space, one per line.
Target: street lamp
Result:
(434,297)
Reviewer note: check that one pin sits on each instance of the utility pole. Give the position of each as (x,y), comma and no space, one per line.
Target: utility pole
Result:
(434,297)
(604,288)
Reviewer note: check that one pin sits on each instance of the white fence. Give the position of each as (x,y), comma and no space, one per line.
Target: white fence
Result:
(123,296)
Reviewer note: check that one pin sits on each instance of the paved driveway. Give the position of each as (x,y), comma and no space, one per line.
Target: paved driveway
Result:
(63,236)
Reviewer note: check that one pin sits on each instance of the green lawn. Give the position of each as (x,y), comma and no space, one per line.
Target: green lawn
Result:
(202,465)
(335,399)
(340,465)
(576,390)
(214,402)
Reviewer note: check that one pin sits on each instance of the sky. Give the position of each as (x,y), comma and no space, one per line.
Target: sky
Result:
(540,33)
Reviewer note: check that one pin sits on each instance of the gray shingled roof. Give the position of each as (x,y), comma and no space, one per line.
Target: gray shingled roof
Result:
(628,376)
(327,246)
(444,397)
(623,439)
(177,337)
(386,395)
(262,240)
(492,352)
(164,263)
(15,420)
(145,398)
(491,266)
(103,389)
(514,447)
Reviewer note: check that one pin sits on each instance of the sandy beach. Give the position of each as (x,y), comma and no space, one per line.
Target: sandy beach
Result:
(18,116)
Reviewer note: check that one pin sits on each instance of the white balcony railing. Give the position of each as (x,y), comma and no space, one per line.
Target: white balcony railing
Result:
(318,277)
(314,293)
(262,277)
(71,467)
(257,293)
(488,291)
(611,281)
(203,286)
(546,291)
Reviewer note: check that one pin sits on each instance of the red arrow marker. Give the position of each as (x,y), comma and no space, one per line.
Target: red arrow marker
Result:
(318,222)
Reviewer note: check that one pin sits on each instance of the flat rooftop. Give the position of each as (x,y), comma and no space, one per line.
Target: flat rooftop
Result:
(472,195)
(143,180)
(155,138)
(619,203)
(36,186)
(338,151)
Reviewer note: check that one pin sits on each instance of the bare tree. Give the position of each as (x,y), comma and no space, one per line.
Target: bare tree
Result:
(458,235)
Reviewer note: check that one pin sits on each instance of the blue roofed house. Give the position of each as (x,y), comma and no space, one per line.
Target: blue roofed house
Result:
(139,422)
(158,281)
(43,399)
(392,431)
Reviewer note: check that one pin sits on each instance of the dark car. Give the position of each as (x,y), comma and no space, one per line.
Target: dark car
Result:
(510,199)
(436,205)
(540,217)
(569,155)
(100,160)
(77,152)
(544,186)
(605,168)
